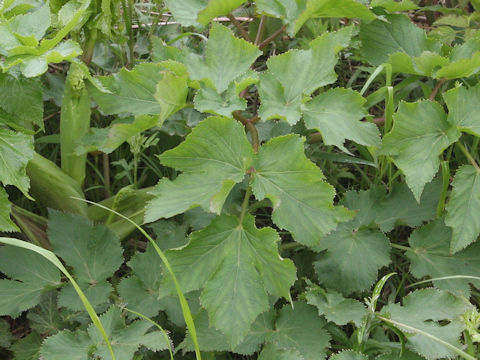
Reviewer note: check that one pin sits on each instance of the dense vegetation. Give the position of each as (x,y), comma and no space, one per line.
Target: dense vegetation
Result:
(232,179)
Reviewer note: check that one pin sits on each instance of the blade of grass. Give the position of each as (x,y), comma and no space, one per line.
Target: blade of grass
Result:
(50,256)
(187,314)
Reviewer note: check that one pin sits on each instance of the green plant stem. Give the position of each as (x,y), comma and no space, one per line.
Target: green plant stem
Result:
(445,183)
(401,247)
(435,90)
(261,29)
(254,133)
(90,46)
(272,37)
(469,157)
(245,202)
(240,28)
(127,12)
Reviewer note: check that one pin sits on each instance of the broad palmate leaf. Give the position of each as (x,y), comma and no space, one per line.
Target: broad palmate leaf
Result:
(431,257)
(297,74)
(93,252)
(464,109)
(464,207)
(336,113)
(147,89)
(432,311)
(302,200)
(214,157)
(420,134)
(298,334)
(237,266)
(30,275)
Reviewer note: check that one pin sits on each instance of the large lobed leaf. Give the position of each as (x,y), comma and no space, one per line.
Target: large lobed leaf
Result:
(237,266)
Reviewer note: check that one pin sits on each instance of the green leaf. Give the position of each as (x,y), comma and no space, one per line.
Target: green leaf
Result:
(6,224)
(463,108)
(302,200)
(75,344)
(236,265)
(226,58)
(464,204)
(32,25)
(332,8)
(394,6)
(400,355)
(127,339)
(5,334)
(335,307)
(464,61)
(298,334)
(398,34)
(298,73)
(93,252)
(16,150)
(420,134)
(147,89)
(109,139)
(210,339)
(336,113)
(193,12)
(432,311)
(27,348)
(22,101)
(430,256)
(211,167)
(209,100)
(30,276)
(142,292)
(45,317)
(348,355)
(353,257)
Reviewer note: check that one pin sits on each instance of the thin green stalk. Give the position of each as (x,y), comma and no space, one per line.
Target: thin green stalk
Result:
(451,277)
(246,199)
(254,134)
(127,7)
(272,37)
(458,351)
(50,256)
(469,157)
(261,29)
(401,247)
(187,314)
(370,79)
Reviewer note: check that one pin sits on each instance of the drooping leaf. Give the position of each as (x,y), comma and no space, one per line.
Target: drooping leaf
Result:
(298,334)
(420,134)
(353,257)
(463,206)
(332,8)
(21,103)
(211,165)
(109,139)
(302,200)
(427,310)
(6,224)
(382,38)
(147,89)
(127,339)
(335,307)
(29,274)
(348,355)
(430,256)
(194,12)
(298,73)
(226,58)
(93,252)
(16,149)
(336,113)
(394,6)
(463,109)
(296,13)
(236,265)
(210,339)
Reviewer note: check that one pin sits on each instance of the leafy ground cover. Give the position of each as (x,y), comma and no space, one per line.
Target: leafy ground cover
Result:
(232,179)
